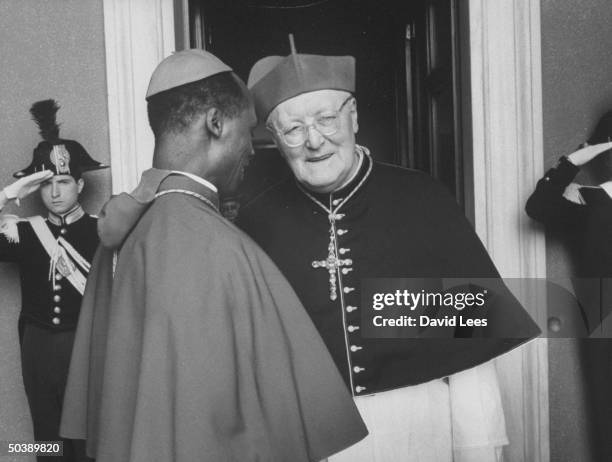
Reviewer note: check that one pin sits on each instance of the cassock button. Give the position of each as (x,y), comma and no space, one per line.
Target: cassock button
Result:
(350,308)
(342,231)
(346,270)
(56,298)
(63,231)
(358,369)
(57,287)
(336,201)
(359,389)
(352,328)
(355,348)
(58,277)
(57,310)
(55,321)
(342,250)
(348,289)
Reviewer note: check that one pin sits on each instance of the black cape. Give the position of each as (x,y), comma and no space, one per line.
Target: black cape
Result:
(397,223)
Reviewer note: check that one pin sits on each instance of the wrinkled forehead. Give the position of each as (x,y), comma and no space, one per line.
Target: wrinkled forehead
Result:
(308,104)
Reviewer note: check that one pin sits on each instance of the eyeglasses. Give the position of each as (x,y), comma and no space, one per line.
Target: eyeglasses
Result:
(327,124)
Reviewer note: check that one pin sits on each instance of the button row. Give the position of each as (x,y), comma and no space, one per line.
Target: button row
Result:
(57,298)
(349,308)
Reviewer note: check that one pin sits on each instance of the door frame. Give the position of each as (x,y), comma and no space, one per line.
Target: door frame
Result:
(507,160)
(138,34)
(504,133)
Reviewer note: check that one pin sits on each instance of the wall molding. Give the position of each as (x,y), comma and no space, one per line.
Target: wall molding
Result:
(138,35)
(506,89)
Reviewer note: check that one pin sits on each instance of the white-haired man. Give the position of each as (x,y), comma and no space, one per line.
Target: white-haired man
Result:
(345,217)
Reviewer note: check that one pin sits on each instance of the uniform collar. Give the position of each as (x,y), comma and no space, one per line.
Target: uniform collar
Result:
(75,214)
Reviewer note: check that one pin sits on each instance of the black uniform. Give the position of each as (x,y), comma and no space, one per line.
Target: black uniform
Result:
(49,315)
(396,223)
(588,230)
(590,224)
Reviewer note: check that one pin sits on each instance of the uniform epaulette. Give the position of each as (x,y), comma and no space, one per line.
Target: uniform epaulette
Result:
(8,227)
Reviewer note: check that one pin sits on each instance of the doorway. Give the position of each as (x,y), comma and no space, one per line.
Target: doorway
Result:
(408,72)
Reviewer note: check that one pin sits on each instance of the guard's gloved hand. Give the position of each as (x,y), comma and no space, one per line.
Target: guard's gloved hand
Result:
(588,153)
(26,185)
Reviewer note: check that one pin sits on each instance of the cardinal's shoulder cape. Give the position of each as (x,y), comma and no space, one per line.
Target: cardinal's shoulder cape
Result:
(198,349)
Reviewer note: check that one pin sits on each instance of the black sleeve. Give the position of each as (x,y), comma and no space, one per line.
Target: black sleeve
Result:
(547,204)
(10,250)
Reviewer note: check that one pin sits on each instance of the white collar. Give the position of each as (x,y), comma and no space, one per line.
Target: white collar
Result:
(197,179)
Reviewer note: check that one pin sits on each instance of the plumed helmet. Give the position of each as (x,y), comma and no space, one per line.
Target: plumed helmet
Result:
(62,157)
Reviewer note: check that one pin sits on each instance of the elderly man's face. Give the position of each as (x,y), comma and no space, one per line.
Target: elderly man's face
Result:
(323,163)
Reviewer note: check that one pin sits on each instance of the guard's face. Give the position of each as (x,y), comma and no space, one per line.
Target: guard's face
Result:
(323,163)
(239,149)
(60,193)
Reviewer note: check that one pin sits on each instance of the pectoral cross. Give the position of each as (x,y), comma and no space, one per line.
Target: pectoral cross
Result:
(332,263)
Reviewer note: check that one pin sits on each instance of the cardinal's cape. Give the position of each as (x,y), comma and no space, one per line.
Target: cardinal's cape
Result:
(198,349)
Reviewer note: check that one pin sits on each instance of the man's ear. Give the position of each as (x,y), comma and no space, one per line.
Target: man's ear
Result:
(80,185)
(353,113)
(214,122)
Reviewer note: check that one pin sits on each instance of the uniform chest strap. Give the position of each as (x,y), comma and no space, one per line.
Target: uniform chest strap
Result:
(63,255)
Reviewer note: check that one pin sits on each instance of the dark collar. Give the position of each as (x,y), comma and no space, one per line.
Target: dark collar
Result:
(75,214)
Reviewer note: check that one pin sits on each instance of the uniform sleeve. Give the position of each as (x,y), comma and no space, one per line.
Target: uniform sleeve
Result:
(547,204)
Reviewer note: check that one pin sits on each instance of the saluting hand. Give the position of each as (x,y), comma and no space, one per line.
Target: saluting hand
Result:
(25,186)
(588,153)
